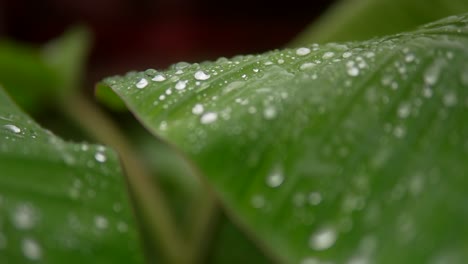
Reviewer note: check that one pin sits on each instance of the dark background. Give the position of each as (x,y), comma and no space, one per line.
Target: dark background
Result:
(140,34)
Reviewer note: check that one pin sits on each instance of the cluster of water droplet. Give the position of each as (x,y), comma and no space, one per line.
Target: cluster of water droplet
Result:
(273,90)
(83,175)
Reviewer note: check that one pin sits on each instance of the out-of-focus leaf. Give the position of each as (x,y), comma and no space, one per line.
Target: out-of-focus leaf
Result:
(352,20)
(25,75)
(60,202)
(67,56)
(35,77)
(344,153)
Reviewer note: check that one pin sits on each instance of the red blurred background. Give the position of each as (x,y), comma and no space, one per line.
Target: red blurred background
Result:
(140,34)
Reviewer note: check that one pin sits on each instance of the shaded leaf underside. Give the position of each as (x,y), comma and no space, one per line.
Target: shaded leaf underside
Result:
(338,152)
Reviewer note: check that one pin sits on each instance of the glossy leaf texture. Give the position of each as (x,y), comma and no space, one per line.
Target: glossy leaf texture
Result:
(336,153)
(60,202)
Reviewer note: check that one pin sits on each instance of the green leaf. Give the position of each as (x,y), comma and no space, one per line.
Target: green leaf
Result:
(60,202)
(26,76)
(231,246)
(105,94)
(352,152)
(351,20)
(67,55)
(36,77)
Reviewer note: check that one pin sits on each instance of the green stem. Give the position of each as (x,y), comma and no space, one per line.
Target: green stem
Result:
(205,211)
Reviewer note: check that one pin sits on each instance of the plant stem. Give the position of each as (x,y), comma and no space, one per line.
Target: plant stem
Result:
(145,190)
(205,211)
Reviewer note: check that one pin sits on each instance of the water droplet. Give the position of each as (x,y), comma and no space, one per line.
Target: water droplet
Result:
(13,128)
(307,65)
(201,75)
(74,193)
(84,147)
(100,222)
(359,259)
(353,202)
(198,109)
(399,131)
(361,63)
(142,83)
(159,78)
(302,51)
(100,157)
(427,92)
(31,249)
(328,55)
(449,55)
(180,85)
(409,57)
(310,260)
(431,75)
(258,201)
(275,179)
(404,110)
(122,227)
(181,65)
(450,99)
(323,239)
(24,216)
(209,118)
(370,54)
(315,198)
(394,85)
(269,113)
(353,71)
(347,54)
(163,125)
(150,71)
(298,199)
(416,184)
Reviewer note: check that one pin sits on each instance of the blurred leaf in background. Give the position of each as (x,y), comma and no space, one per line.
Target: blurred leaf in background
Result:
(67,56)
(25,75)
(37,78)
(352,20)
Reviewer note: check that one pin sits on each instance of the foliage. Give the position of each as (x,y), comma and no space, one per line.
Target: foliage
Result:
(341,145)
(350,152)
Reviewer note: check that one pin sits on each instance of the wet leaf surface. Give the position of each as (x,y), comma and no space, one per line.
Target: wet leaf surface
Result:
(336,153)
(60,202)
